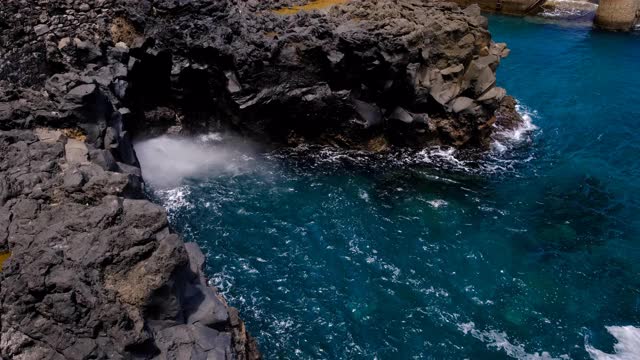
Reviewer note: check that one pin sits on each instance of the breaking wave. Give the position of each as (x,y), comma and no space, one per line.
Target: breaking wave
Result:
(504,139)
(501,158)
(626,348)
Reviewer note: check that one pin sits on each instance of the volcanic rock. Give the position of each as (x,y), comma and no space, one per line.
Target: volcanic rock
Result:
(95,271)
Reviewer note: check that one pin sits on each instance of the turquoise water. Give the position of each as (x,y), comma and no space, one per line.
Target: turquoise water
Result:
(527,254)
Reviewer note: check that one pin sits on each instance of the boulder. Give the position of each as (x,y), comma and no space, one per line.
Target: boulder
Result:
(495,94)
(76,152)
(619,15)
(462,104)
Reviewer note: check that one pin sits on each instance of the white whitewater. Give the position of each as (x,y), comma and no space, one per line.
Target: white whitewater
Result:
(504,139)
(568,8)
(499,340)
(626,348)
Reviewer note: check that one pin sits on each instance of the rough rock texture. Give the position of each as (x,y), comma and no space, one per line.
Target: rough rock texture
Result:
(94,270)
(358,71)
(617,14)
(387,71)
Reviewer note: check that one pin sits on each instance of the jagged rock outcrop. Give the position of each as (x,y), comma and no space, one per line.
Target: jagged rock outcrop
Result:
(384,70)
(362,70)
(94,269)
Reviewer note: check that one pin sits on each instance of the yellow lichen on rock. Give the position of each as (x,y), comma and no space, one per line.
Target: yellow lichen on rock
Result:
(122,30)
(312,5)
(74,133)
(3,258)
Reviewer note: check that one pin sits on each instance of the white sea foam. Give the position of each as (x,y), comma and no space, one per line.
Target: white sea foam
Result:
(439,154)
(506,138)
(363,195)
(568,8)
(175,199)
(167,160)
(437,203)
(626,348)
(499,340)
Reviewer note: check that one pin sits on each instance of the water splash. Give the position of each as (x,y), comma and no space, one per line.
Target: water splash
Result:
(504,139)
(168,161)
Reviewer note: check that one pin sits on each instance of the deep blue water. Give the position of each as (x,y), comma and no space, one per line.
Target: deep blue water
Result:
(528,254)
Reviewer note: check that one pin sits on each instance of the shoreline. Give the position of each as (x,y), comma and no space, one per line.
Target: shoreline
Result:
(101,265)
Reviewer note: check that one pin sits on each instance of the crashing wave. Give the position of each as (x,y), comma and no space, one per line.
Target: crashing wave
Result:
(503,139)
(626,348)
(175,199)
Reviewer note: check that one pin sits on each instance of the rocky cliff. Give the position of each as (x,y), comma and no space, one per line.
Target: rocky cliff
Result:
(94,271)
(402,73)
(90,268)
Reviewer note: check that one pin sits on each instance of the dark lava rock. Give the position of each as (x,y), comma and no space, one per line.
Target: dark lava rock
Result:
(321,76)
(95,271)
(331,76)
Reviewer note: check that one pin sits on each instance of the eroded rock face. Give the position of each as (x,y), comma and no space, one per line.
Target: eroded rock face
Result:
(95,271)
(337,75)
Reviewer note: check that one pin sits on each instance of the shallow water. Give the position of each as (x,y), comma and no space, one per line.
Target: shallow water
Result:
(528,254)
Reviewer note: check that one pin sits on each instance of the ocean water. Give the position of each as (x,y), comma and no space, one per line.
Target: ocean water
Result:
(531,252)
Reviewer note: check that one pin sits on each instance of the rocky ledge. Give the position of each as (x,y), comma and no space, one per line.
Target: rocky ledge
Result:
(89,268)
(368,74)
